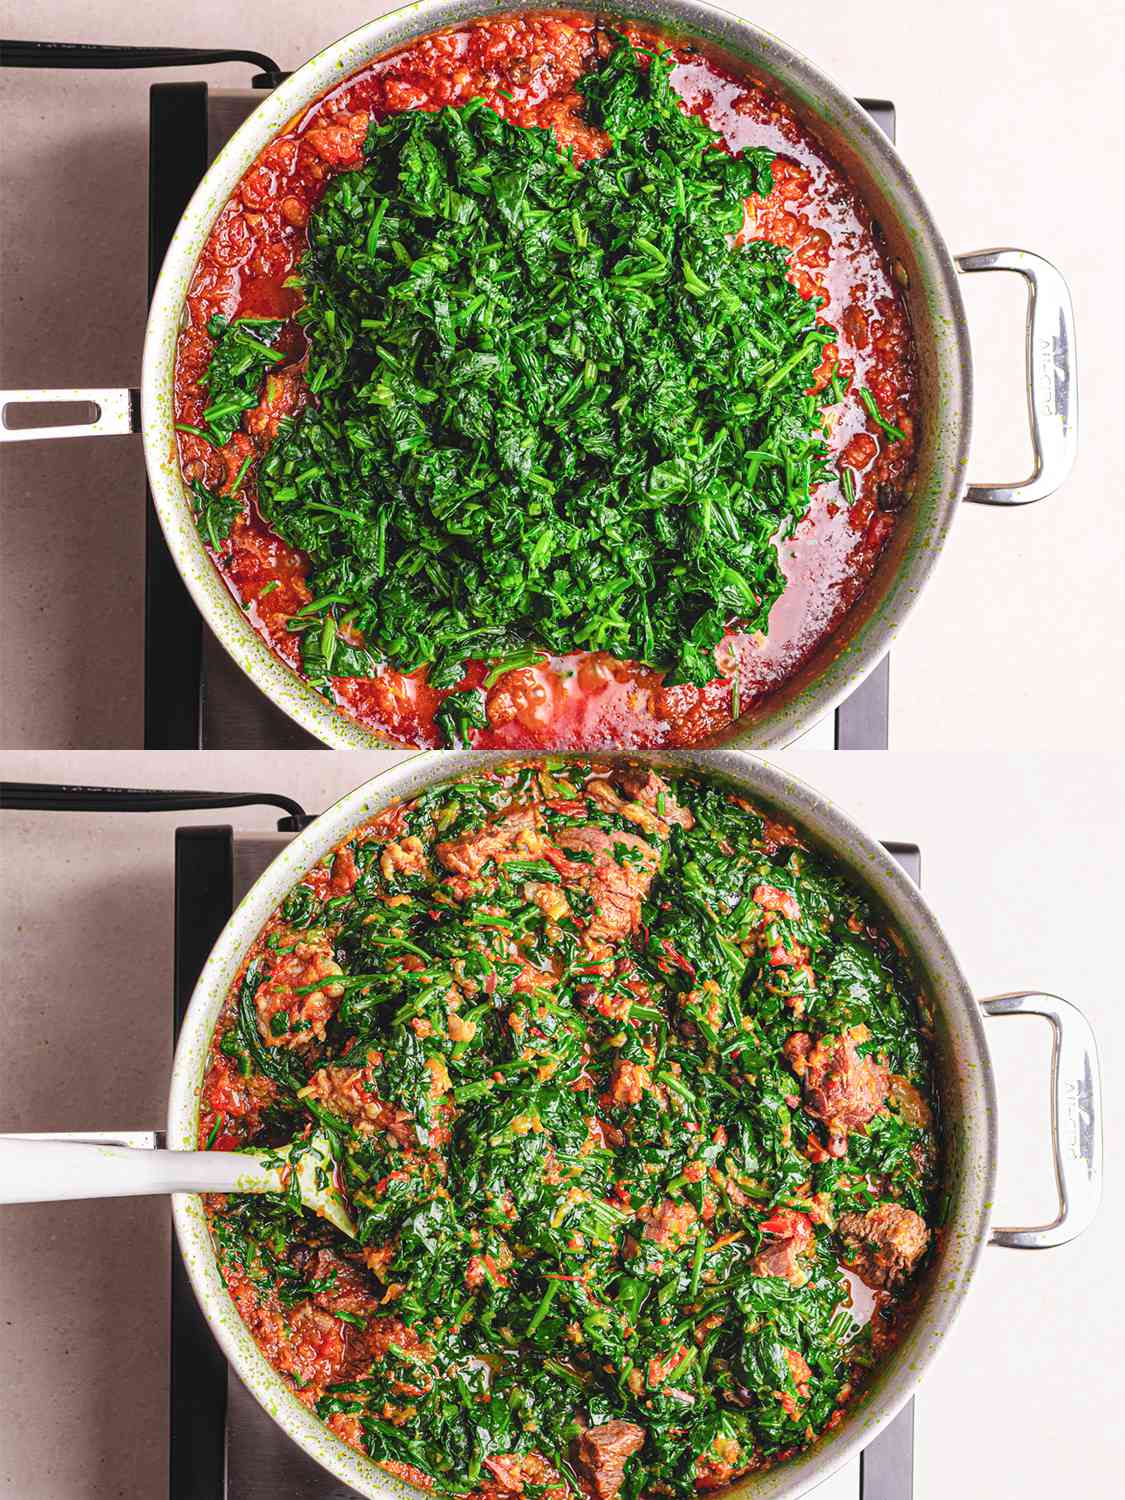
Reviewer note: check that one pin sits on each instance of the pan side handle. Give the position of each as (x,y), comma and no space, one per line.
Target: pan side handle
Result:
(1076,1118)
(1052,376)
(110,413)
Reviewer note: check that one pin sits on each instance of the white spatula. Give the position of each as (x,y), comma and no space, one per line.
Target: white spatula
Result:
(52,1171)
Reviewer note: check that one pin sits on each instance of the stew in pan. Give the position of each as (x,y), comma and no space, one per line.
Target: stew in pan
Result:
(545,385)
(631,1100)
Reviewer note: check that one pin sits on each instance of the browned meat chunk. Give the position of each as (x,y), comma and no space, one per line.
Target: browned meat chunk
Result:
(602,1452)
(349,1288)
(769,898)
(841,1088)
(888,1241)
(643,799)
(789,1237)
(309,1341)
(286,1017)
(617,890)
(283,395)
(515,835)
(643,785)
(610,799)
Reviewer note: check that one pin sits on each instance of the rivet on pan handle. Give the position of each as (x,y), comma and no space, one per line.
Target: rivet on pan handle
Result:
(1052,376)
(111,414)
(1076,1125)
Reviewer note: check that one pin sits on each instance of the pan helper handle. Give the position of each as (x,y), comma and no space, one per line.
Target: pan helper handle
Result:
(1052,376)
(1076,1122)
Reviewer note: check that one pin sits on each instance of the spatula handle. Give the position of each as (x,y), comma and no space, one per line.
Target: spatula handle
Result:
(46,1171)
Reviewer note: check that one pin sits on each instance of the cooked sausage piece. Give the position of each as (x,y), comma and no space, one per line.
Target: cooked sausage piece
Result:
(351,1094)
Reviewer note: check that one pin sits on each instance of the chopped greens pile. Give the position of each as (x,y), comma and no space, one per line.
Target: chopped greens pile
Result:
(555,407)
(547,1016)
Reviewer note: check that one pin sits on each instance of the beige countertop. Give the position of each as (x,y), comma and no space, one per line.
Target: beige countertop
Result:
(1005,119)
(1021,861)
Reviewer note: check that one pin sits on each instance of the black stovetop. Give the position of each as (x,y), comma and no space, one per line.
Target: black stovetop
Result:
(223,1445)
(195,696)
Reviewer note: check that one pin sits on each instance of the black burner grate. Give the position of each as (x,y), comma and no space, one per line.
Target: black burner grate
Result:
(195,697)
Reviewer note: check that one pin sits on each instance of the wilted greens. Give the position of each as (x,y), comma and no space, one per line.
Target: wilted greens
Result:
(589,1184)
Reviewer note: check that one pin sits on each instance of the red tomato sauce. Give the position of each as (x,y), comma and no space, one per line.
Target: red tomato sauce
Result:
(526,69)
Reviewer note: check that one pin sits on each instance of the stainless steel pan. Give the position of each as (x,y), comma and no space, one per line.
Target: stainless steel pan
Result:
(966,1083)
(930,271)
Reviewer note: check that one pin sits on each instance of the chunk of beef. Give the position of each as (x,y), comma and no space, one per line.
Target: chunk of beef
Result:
(642,784)
(602,1452)
(239,1102)
(886,1242)
(319,1346)
(349,1288)
(608,798)
(515,835)
(283,395)
(641,803)
(315,1350)
(841,1088)
(789,1239)
(616,889)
